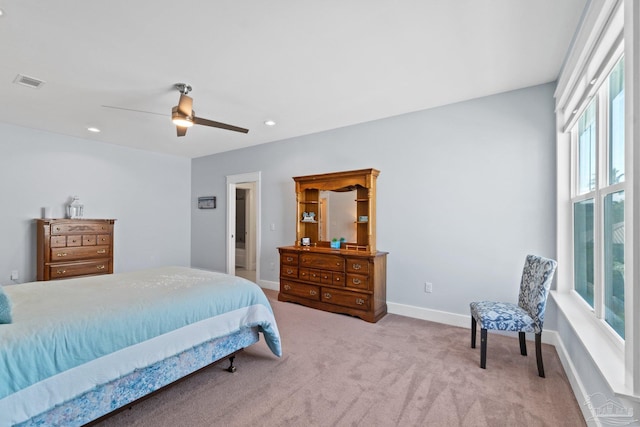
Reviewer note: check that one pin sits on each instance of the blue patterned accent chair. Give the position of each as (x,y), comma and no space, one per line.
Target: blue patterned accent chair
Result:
(527,316)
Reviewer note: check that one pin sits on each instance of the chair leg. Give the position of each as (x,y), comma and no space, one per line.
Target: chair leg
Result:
(523,343)
(483,348)
(539,354)
(473,332)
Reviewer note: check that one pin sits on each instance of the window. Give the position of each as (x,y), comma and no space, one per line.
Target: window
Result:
(598,200)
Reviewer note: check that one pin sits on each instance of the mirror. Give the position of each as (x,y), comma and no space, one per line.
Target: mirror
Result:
(347,209)
(338,213)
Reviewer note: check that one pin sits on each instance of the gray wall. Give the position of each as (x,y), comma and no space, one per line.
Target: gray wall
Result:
(147,193)
(465,192)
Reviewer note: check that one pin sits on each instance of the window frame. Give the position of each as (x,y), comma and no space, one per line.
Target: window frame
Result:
(602,189)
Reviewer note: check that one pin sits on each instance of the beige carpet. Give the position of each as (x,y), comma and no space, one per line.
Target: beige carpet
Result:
(341,371)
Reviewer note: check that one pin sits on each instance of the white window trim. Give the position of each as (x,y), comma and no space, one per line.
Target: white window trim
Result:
(620,367)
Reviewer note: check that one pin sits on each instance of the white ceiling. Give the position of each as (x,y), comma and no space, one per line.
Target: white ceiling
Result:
(308,65)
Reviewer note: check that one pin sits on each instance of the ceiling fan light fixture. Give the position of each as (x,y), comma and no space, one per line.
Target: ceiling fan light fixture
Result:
(180,119)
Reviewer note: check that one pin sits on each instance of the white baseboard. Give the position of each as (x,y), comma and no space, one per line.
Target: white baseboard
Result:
(429,314)
(267,284)
(574,379)
(452,319)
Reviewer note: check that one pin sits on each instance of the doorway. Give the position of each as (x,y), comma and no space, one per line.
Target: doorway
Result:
(245,231)
(243,225)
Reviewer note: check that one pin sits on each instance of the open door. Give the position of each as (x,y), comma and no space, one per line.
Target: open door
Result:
(251,182)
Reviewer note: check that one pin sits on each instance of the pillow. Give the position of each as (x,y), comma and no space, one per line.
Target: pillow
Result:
(5,307)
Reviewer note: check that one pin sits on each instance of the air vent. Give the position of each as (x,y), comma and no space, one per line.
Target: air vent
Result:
(28,81)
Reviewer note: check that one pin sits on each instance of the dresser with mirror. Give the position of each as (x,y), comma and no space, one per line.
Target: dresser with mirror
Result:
(334,265)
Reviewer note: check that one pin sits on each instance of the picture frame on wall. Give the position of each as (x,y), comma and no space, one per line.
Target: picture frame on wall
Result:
(207,202)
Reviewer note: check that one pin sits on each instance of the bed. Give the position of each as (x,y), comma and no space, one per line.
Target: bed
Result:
(81,348)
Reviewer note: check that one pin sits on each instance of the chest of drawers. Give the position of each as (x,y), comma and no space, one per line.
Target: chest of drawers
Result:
(339,281)
(74,247)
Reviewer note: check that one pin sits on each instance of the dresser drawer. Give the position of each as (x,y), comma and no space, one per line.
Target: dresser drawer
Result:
(74,240)
(289,258)
(303,274)
(322,261)
(300,289)
(82,252)
(357,281)
(346,299)
(357,265)
(326,277)
(289,271)
(338,279)
(103,239)
(81,228)
(89,240)
(63,270)
(314,275)
(58,241)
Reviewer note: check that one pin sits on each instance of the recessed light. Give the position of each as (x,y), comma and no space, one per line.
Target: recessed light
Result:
(94,130)
(270,123)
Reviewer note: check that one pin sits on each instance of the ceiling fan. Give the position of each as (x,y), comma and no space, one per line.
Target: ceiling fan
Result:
(183,116)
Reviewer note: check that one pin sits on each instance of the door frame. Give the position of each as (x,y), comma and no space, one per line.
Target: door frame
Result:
(232,182)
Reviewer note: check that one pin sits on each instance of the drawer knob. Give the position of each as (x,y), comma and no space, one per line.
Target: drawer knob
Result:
(312,292)
(100,267)
(356,281)
(61,271)
(102,251)
(359,301)
(327,295)
(289,259)
(287,287)
(62,254)
(326,277)
(357,266)
(289,271)
(338,279)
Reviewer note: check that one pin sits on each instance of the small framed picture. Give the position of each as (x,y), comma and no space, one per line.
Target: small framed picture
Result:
(207,202)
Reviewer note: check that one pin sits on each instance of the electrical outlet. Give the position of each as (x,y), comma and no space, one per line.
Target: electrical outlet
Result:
(428,287)
(14,275)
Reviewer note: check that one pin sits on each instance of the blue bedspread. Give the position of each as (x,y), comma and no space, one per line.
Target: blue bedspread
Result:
(58,325)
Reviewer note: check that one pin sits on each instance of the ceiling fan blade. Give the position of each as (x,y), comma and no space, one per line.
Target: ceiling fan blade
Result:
(135,111)
(182,131)
(185,106)
(205,122)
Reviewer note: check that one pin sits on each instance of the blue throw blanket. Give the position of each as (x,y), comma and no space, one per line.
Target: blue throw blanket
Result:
(58,325)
